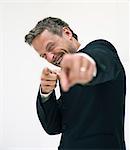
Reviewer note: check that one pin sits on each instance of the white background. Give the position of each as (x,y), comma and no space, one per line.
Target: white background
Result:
(20,65)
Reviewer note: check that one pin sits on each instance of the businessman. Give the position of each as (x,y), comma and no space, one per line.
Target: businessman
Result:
(90,111)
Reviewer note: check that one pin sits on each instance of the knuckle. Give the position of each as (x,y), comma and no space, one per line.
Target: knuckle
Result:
(55,77)
(80,58)
(43,84)
(43,77)
(54,83)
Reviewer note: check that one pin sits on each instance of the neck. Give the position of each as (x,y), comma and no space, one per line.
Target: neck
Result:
(76,44)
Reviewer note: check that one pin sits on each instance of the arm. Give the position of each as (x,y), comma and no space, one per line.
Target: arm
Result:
(80,70)
(106,58)
(48,108)
(49,113)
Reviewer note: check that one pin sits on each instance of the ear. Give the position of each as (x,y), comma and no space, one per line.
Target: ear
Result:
(67,32)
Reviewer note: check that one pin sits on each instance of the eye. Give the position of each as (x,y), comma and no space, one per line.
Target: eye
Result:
(43,55)
(50,48)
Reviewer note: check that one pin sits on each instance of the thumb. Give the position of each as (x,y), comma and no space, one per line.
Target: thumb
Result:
(46,71)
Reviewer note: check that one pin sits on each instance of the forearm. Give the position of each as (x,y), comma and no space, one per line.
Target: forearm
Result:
(107,62)
(49,114)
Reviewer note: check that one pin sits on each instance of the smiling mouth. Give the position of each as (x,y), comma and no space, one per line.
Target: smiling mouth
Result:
(58,59)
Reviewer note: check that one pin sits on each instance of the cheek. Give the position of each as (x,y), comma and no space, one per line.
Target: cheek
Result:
(59,50)
(71,50)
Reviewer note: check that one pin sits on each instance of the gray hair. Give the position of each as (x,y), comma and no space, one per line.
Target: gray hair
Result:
(52,24)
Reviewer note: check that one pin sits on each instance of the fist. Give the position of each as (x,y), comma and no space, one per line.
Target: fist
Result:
(48,81)
(76,69)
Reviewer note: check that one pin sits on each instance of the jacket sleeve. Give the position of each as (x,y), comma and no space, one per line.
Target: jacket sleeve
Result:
(107,61)
(49,114)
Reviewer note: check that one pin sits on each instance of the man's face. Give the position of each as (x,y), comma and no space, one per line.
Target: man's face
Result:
(52,47)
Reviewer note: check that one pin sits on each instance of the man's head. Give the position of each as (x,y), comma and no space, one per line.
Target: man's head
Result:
(52,38)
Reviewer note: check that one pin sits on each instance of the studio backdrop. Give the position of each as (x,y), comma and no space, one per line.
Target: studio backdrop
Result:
(21,66)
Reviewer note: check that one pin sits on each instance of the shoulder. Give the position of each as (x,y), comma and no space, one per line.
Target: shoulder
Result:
(100,43)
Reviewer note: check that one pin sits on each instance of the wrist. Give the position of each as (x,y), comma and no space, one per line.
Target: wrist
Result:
(44,94)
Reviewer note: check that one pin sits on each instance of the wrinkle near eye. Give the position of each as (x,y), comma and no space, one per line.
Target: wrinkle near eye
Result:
(50,46)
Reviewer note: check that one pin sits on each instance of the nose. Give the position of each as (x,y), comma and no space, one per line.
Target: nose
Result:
(49,56)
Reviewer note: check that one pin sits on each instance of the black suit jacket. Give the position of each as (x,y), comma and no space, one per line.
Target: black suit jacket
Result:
(90,116)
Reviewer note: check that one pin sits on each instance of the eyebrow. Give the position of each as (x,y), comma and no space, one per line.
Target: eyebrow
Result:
(48,46)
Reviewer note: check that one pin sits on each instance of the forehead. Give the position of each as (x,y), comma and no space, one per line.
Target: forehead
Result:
(40,41)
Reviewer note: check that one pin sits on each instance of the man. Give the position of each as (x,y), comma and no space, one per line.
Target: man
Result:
(90,110)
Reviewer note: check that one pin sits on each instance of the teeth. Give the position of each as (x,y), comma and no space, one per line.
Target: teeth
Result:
(58,59)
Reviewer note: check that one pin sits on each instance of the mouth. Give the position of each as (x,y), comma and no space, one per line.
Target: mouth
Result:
(57,59)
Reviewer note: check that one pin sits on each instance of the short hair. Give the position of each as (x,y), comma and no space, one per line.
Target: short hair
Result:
(52,24)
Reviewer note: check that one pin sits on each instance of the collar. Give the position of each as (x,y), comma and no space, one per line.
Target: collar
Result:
(82,45)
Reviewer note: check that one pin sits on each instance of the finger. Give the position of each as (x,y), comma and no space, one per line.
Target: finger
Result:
(90,72)
(50,76)
(47,89)
(46,71)
(48,83)
(84,68)
(64,80)
(74,74)
(87,76)
(66,64)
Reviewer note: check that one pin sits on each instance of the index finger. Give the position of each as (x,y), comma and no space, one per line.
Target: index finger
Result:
(46,71)
(64,80)
(48,75)
(66,65)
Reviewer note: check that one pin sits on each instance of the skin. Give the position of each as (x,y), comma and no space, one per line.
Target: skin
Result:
(60,51)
